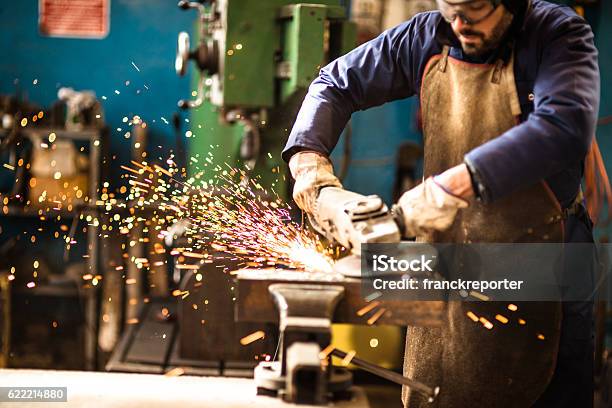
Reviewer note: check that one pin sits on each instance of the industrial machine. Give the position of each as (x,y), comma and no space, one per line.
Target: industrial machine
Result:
(246,112)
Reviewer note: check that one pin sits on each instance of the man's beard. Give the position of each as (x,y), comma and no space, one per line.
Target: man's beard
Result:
(487,44)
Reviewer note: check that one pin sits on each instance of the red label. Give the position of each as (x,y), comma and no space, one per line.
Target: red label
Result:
(74,18)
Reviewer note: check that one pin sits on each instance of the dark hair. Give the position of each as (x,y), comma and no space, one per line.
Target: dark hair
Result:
(516,7)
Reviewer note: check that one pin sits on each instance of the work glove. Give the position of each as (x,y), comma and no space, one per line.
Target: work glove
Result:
(426,208)
(311,171)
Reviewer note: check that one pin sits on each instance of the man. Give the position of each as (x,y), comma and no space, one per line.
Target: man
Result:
(509,93)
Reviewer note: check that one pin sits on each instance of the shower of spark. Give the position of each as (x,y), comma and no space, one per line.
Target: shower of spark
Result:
(227,213)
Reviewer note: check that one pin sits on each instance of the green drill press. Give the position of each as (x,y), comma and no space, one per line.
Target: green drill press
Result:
(255,60)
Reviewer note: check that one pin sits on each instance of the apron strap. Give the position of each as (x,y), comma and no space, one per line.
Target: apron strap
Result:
(515,104)
(497,72)
(507,55)
(444,59)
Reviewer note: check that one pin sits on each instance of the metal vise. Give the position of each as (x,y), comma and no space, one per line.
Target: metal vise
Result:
(301,376)
(304,304)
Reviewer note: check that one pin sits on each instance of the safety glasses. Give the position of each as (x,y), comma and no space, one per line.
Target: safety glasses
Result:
(472,12)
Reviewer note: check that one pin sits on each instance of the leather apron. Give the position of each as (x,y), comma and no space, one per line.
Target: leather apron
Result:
(465,105)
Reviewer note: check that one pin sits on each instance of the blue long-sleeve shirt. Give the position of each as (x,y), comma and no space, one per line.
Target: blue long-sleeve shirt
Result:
(557,79)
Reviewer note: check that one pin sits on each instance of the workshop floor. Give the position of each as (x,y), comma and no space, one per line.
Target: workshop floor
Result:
(110,390)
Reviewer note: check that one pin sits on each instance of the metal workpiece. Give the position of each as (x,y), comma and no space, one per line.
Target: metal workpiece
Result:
(254,303)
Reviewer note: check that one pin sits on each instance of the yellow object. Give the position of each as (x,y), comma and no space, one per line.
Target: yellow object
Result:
(380,345)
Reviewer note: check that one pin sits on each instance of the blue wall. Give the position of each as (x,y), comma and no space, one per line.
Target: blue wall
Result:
(141,31)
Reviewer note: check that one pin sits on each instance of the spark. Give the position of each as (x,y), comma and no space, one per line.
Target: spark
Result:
(230,219)
(258,335)
(479,295)
(501,318)
(187,266)
(366,309)
(487,324)
(227,212)
(376,316)
(472,316)
(193,255)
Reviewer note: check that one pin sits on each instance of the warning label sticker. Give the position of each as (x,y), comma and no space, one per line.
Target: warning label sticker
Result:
(74,18)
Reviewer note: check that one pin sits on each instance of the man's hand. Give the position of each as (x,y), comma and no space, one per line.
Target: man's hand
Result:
(311,171)
(428,207)
(456,181)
